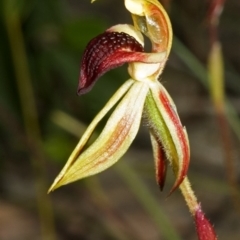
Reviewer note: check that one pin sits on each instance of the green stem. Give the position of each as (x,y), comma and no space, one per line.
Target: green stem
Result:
(189,195)
(30,116)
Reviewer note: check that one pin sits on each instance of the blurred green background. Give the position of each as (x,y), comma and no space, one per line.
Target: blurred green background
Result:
(42,118)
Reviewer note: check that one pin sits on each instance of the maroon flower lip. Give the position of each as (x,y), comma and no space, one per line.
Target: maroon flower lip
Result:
(106,51)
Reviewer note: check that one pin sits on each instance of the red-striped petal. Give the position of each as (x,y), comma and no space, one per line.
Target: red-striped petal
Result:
(114,140)
(179,136)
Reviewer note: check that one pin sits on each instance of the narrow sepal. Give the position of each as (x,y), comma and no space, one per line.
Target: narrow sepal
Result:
(177,132)
(112,143)
(204,228)
(160,161)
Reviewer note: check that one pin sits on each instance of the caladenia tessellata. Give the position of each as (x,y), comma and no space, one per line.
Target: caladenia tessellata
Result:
(142,94)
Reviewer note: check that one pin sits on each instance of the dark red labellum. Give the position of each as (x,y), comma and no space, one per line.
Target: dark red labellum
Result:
(105,52)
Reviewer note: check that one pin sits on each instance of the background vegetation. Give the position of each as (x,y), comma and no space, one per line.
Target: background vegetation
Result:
(42,118)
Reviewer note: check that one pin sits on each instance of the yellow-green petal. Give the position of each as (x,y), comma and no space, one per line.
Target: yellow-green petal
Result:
(112,143)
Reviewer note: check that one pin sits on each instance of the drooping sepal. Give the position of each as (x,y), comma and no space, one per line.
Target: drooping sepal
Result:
(166,126)
(178,134)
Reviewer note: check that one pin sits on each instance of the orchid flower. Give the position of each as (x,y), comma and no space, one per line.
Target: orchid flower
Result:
(142,94)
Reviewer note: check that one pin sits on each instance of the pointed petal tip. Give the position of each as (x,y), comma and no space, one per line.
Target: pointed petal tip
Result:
(53,187)
(161,181)
(176,184)
(50,190)
(82,90)
(204,228)
(162,176)
(161,186)
(56,184)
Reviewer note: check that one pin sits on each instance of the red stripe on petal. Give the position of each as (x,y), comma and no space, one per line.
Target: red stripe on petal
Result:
(114,140)
(182,170)
(160,162)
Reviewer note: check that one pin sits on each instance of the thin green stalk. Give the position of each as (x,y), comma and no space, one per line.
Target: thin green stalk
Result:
(30,116)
